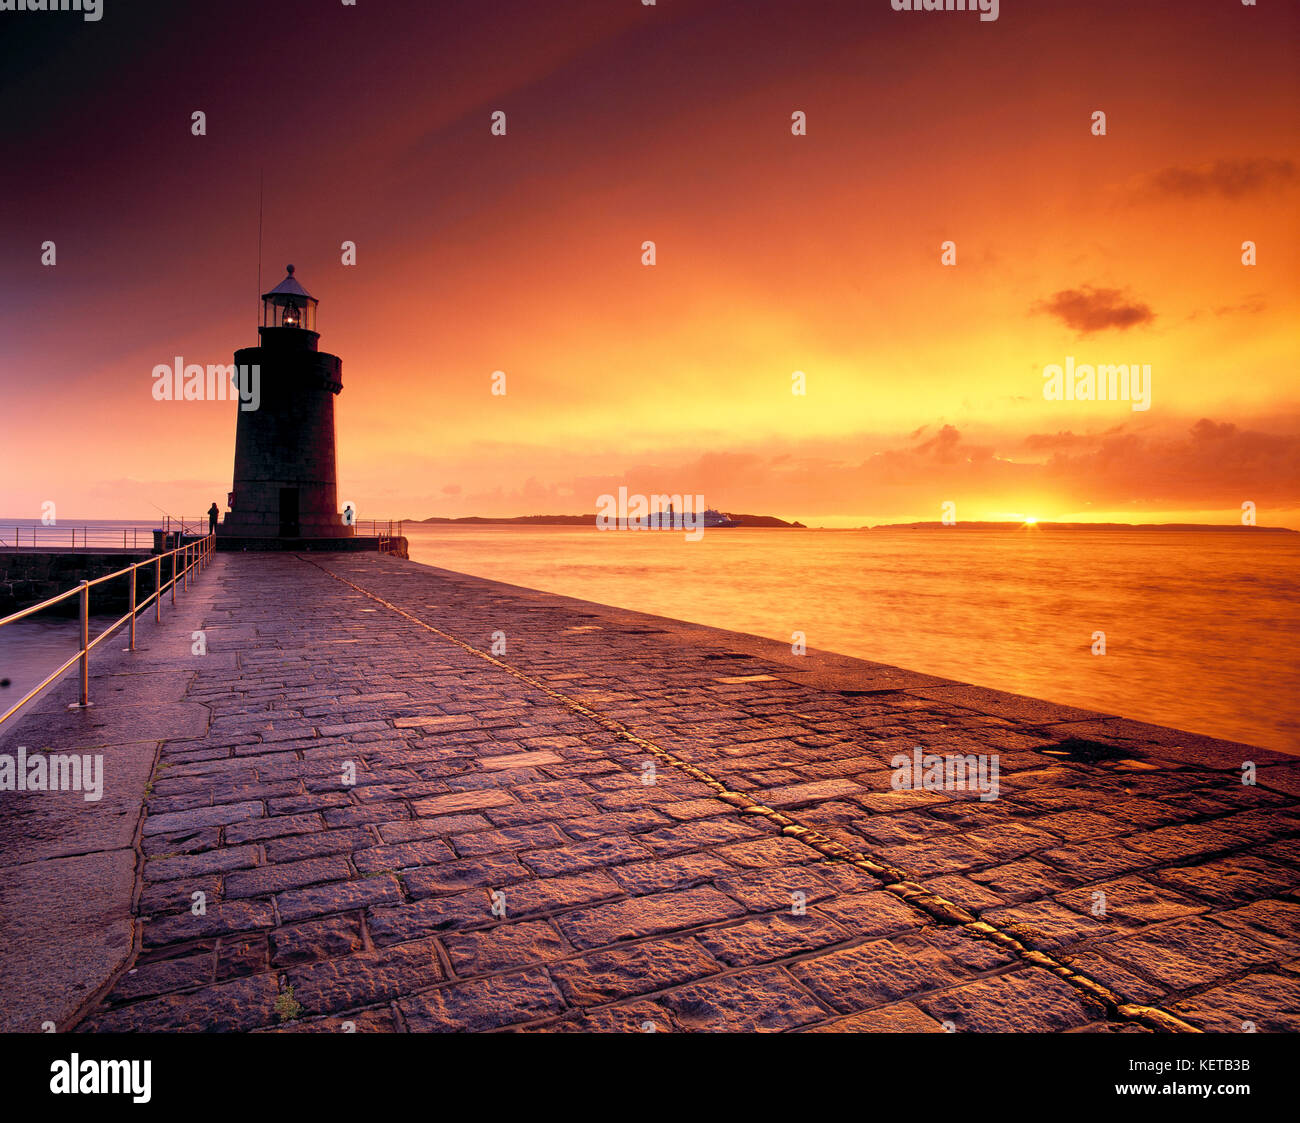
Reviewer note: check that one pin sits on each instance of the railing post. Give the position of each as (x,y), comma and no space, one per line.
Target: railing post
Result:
(133,608)
(157,588)
(173,577)
(85,643)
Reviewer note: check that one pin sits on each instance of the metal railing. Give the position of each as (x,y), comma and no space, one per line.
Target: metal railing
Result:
(138,537)
(88,537)
(197,527)
(193,556)
(379,528)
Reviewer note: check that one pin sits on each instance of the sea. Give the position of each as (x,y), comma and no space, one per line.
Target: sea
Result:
(1200,629)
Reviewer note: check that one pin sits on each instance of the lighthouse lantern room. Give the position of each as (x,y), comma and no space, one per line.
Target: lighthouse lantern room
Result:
(289,305)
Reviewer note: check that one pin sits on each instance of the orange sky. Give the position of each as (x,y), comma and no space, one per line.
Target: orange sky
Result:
(776,253)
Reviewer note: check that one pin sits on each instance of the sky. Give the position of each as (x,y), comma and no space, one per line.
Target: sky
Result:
(775,253)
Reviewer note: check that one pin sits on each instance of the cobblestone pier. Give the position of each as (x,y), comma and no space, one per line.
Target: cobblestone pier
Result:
(617,822)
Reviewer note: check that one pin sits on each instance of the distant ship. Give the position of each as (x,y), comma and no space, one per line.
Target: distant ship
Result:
(669,520)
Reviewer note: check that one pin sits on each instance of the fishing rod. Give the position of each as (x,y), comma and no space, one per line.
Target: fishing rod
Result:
(168,516)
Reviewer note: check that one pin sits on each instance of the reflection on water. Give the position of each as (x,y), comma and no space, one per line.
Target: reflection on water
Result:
(1200,627)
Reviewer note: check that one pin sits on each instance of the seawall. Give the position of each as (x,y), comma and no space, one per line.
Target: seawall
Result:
(415,800)
(28,577)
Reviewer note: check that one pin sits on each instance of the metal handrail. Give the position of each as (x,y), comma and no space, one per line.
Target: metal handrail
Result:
(380,527)
(196,527)
(56,537)
(197,555)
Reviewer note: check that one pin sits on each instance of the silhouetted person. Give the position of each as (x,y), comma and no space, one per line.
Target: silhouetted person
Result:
(212,518)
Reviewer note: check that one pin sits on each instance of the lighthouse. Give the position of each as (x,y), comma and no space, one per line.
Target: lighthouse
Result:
(286,485)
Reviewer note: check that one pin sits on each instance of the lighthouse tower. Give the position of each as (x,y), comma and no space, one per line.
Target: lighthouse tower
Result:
(286,485)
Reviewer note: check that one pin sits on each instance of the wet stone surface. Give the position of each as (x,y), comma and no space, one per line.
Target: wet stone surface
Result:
(394,833)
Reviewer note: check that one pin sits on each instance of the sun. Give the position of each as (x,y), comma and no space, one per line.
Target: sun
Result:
(1031,521)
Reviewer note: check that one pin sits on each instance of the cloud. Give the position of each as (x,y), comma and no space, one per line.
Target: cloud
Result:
(1230,179)
(1207,430)
(1089,309)
(1038,442)
(1216,463)
(946,447)
(1251,307)
(1211,464)
(943,445)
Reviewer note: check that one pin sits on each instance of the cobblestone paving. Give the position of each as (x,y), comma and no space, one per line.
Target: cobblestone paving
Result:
(623,824)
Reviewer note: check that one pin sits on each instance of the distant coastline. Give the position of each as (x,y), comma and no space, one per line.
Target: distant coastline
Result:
(589,520)
(773,522)
(1043,524)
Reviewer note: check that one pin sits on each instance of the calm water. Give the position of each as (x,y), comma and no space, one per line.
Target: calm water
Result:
(32,648)
(1201,628)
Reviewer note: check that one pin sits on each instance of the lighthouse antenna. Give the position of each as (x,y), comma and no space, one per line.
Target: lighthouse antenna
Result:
(261,178)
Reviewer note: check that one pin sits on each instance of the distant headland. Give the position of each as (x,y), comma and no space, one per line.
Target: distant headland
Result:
(1041,524)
